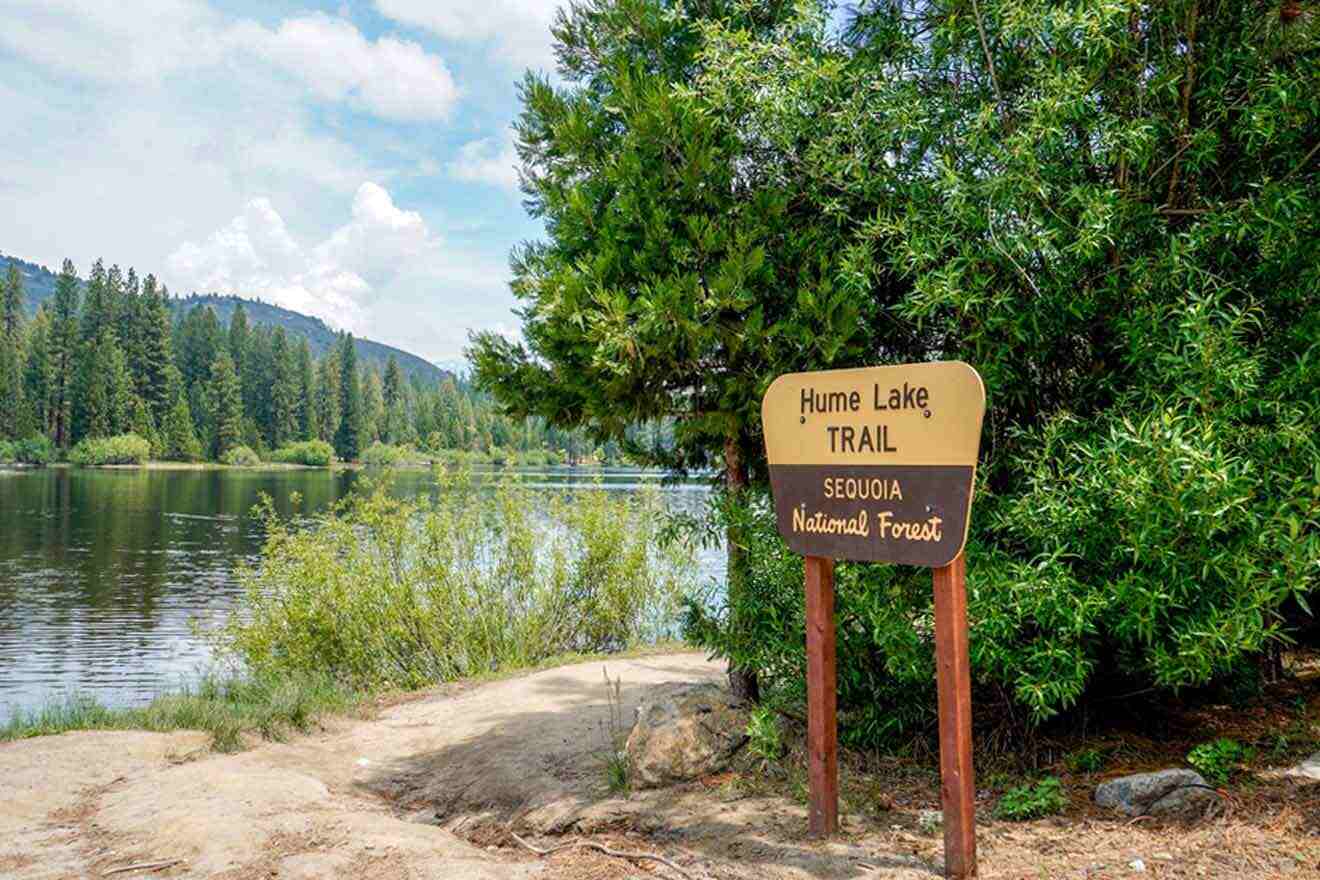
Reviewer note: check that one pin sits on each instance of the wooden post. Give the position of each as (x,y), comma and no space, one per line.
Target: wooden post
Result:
(822,702)
(953,673)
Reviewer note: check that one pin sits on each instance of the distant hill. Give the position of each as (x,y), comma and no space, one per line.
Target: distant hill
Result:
(39,286)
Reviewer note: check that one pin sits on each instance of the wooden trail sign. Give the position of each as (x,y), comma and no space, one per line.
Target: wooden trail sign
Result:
(878,465)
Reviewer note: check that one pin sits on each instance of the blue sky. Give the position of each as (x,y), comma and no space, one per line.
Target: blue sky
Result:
(346,159)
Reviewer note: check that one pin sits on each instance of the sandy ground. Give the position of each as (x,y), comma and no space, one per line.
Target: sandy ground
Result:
(431,788)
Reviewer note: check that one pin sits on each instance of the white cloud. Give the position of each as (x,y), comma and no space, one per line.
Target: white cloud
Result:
(489,160)
(110,41)
(516,30)
(391,78)
(144,42)
(254,255)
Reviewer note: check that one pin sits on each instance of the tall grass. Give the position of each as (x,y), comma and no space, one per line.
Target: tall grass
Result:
(389,593)
(224,707)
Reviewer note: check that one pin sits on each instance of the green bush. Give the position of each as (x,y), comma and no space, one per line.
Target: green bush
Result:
(384,455)
(36,449)
(240,456)
(1025,802)
(313,453)
(1219,759)
(120,449)
(6,451)
(1087,760)
(764,739)
(405,593)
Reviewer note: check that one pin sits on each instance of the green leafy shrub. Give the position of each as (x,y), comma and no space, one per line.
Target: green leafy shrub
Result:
(240,456)
(1218,759)
(764,738)
(386,591)
(120,449)
(36,449)
(1025,802)
(313,453)
(6,451)
(384,455)
(1086,761)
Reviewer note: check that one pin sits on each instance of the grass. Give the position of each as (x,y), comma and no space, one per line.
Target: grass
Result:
(226,708)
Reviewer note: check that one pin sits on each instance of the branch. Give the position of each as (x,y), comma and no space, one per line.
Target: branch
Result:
(631,856)
(985,47)
(145,866)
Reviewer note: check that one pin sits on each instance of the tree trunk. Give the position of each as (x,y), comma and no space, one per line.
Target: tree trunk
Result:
(742,682)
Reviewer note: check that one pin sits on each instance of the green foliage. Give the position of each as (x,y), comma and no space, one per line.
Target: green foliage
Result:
(240,456)
(1088,760)
(178,440)
(1044,798)
(764,739)
(120,449)
(224,404)
(1110,211)
(313,453)
(1218,759)
(406,593)
(36,449)
(383,455)
(348,439)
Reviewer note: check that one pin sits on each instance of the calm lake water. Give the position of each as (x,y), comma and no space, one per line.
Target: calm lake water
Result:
(103,572)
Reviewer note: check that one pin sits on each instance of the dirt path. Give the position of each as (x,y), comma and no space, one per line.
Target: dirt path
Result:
(360,799)
(430,789)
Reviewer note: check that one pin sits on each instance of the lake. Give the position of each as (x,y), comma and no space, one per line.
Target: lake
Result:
(105,574)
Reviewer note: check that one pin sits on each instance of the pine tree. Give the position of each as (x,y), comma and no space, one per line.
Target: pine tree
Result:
(257,381)
(11,353)
(139,421)
(284,391)
(199,342)
(178,438)
(373,406)
(95,307)
(306,392)
(157,358)
(37,378)
(238,334)
(130,330)
(348,437)
(103,390)
(11,306)
(327,396)
(225,405)
(392,429)
(64,342)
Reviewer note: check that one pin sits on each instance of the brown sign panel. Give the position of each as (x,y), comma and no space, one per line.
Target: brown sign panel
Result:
(875,464)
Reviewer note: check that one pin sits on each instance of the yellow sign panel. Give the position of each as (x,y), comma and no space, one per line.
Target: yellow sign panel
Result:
(875,464)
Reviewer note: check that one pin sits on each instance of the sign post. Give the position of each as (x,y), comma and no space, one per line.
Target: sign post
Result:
(878,465)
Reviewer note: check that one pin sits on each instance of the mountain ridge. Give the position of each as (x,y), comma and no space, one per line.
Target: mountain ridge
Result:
(39,286)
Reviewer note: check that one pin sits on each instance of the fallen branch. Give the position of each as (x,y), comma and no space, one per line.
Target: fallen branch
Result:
(145,866)
(631,856)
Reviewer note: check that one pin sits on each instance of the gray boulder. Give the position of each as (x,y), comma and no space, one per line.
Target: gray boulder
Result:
(1308,769)
(1164,793)
(683,734)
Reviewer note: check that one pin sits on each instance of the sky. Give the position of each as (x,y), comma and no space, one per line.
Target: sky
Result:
(349,160)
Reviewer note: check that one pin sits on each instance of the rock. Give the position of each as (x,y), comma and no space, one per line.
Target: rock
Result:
(683,734)
(1167,792)
(1137,865)
(1308,769)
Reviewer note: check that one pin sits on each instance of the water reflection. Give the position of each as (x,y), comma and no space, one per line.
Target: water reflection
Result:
(102,572)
